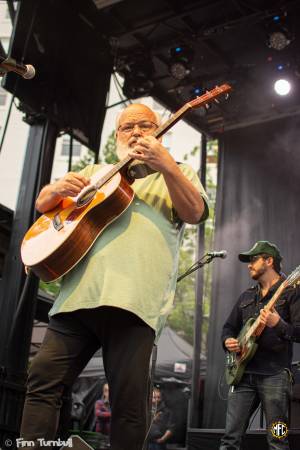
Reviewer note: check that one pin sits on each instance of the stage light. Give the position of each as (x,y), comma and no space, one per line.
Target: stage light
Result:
(178,70)
(136,87)
(197,91)
(279,33)
(180,63)
(137,71)
(282,87)
(279,39)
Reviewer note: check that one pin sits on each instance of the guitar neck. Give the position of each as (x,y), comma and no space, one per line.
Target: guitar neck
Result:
(271,303)
(173,119)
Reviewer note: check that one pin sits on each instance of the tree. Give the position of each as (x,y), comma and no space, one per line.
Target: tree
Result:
(88,158)
(181,318)
(110,149)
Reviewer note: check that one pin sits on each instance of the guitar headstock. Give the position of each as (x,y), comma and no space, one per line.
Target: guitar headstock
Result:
(204,100)
(293,278)
(209,96)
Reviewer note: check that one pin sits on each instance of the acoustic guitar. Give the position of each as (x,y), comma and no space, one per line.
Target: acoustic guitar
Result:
(60,238)
(236,363)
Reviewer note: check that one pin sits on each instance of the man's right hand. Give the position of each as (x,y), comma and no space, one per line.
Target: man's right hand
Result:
(52,194)
(232,345)
(70,185)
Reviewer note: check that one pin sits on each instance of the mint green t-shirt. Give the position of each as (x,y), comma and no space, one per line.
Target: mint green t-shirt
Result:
(133,263)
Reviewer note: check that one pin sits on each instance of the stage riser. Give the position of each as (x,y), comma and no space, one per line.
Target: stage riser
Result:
(210,440)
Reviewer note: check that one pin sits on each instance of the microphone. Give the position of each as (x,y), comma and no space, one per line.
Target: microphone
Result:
(27,71)
(220,254)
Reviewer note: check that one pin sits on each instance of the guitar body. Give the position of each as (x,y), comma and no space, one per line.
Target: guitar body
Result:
(59,239)
(237,362)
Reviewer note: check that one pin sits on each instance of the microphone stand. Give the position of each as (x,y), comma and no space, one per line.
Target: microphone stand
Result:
(192,417)
(206,259)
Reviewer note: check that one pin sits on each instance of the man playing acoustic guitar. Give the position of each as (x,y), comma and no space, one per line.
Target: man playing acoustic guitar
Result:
(118,296)
(267,376)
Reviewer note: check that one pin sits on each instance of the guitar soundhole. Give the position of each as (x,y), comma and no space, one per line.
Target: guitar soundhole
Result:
(86,197)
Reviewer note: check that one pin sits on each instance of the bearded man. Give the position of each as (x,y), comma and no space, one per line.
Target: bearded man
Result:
(120,293)
(267,377)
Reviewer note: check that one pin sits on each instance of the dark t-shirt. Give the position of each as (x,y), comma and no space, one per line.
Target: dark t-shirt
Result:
(162,421)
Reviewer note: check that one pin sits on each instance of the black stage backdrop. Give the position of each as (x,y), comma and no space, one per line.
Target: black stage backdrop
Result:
(258,199)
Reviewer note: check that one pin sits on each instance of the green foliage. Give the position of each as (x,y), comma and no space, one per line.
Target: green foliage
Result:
(191,153)
(182,317)
(110,149)
(50,288)
(87,159)
(109,154)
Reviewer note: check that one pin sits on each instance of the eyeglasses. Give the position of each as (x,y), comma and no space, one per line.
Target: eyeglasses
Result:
(252,259)
(145,126)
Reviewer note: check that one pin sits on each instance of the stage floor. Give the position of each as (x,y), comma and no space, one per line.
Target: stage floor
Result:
(203,439)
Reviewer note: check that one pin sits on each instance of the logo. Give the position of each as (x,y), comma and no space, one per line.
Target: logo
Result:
(279,430)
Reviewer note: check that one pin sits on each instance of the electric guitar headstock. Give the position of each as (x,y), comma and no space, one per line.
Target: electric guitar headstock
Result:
(293,278)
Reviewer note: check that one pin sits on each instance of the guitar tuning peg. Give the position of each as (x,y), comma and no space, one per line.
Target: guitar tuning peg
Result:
(226,96)
(207,106)
(217,101)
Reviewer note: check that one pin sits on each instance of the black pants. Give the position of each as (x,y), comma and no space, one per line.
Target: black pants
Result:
(70,342)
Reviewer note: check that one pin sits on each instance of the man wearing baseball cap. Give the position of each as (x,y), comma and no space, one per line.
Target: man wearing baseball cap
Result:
(267,377)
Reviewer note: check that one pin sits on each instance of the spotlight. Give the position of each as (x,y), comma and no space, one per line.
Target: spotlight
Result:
(279,39)
(282,87)
(279,34)
(137,73)
(197,91)
(137,86)
(181,58)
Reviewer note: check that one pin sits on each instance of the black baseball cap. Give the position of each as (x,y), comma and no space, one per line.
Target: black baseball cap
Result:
(261,248)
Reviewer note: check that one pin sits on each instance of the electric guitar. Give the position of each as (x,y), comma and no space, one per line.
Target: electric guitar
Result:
(236,362)
(60,238)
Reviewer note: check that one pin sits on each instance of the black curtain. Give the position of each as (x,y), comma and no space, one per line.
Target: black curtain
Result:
(258,199)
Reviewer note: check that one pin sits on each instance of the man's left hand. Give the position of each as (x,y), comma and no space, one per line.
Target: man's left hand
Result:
(149,150)
(269,318)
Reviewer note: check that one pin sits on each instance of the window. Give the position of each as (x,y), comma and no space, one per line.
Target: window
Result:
(3,95)
(65,148)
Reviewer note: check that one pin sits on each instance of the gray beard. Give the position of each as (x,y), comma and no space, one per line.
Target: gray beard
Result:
(122,150)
